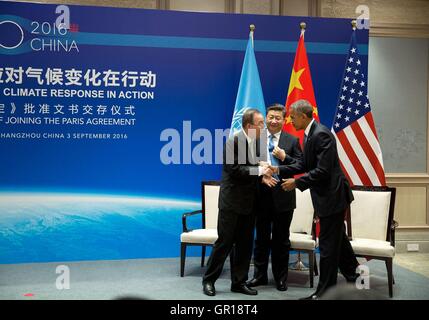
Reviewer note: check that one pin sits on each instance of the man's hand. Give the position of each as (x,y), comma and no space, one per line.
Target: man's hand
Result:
(263,163)
(267,169)
(275,170)
(288,184)
(269,181)
(279,153)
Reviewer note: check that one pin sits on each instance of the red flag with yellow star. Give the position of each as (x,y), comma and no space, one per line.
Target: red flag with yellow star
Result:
(300,87)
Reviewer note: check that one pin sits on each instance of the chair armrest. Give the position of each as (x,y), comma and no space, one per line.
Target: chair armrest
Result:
(188,214)
(393,227)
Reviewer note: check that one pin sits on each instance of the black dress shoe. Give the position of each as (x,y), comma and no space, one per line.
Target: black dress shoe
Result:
(281,286)
(312,297)
(352,278)
(209,289)
(244,290)
(257,282)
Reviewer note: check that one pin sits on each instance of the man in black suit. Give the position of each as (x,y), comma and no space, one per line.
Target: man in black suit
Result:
(276,205)
(237,206)
(330,193)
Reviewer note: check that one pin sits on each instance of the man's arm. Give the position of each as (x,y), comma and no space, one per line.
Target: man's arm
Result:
(294,162)
(234,161)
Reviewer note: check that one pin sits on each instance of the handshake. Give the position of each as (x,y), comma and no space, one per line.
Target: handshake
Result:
(267,169)
(269,174)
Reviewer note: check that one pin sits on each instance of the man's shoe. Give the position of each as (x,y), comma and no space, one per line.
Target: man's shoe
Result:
(281,286)
(314,296)
(209,289)
(352,278)
(257,282)
(244,289)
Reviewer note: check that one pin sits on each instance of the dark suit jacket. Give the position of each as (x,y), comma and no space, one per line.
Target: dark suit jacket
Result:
(284,200)
(240,181)
(329,188)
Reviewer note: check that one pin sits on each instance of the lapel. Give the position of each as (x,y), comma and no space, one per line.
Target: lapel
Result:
(308,143)
(282,141)
(250,156)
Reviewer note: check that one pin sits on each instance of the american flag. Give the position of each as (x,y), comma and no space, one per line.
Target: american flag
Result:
(357,142)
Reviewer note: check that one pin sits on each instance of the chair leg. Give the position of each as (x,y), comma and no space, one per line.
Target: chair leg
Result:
(203,255)
(311,267)
(316,270)
(390,275)
(182,259)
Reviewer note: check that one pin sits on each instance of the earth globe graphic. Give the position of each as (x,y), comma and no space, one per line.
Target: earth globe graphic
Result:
(42,227)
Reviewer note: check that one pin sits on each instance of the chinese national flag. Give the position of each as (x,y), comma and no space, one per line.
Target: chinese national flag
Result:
(300,87)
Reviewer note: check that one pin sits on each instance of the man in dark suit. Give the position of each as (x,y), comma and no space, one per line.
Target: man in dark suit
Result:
(330,193)
(276,205)
(237,206)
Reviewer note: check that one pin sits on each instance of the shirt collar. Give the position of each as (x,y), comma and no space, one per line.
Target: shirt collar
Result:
(276,135)
(249,140)
(307,130)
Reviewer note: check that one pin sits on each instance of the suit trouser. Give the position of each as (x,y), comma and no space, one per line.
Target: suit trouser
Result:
(335,251)
(235,236)
(272,235)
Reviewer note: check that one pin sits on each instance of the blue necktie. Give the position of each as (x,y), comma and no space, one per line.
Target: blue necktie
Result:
(274,161)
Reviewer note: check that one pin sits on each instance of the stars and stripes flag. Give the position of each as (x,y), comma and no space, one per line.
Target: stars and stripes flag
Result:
(300,87)
(353,126)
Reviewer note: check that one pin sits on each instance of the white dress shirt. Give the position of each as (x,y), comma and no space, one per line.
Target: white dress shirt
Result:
(307,130)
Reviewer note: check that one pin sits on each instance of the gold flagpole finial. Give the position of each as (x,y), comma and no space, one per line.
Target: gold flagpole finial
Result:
(303,25)
(252,29)
(354,23)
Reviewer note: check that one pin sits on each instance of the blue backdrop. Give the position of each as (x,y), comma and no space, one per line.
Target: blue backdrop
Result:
(68,196)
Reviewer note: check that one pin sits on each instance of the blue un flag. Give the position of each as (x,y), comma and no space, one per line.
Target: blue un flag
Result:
(249,93)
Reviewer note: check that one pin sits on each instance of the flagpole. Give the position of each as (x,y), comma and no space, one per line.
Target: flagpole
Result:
(354,23)
(252,29)
(302,25)
(299,264)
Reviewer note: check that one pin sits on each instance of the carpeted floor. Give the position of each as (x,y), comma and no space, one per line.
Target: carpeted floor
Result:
(159,279)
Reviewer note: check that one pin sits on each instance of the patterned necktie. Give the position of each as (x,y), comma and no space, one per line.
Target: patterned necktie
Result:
(274,161)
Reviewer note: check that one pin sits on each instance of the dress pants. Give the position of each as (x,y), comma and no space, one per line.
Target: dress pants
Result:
(335,252)
(272,236)
(235,237)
